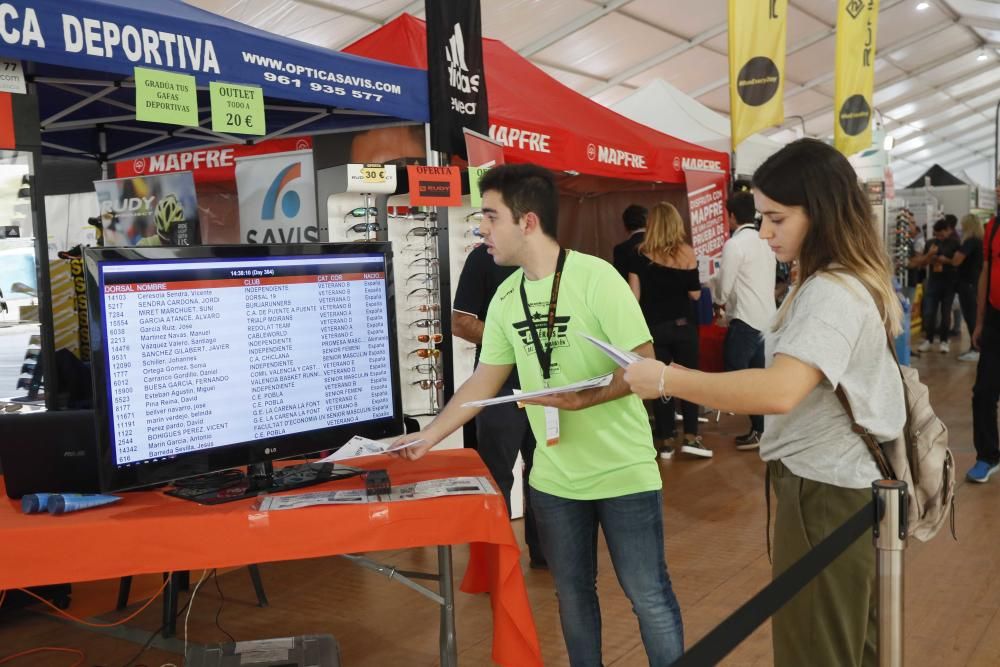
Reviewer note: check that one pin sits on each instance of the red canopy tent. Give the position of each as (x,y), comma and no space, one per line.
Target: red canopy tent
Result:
(540,120)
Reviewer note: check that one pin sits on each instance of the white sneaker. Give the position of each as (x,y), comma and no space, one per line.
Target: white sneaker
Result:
(924,346)
(971,355)
(944,347)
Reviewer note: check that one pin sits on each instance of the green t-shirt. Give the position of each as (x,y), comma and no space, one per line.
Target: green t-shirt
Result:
(604,451)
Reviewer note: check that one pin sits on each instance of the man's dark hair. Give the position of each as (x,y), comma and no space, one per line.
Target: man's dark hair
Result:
(941,225)
(526,188)
(741,205)
(634,217)
(951,220)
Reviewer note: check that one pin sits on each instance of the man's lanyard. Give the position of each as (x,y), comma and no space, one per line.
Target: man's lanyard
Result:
(545,355)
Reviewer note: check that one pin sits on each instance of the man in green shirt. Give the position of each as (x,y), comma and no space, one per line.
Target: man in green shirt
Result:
(595,464)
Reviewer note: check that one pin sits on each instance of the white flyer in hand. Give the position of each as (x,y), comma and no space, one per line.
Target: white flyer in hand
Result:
(600,381)
(357,447)
(621,357)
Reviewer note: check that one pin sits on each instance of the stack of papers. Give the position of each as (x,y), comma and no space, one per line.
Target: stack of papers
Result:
(601,381)
(432,488)
(621,357)
(357,447)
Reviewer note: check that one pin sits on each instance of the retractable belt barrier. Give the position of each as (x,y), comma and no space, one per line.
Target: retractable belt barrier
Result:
(718,643)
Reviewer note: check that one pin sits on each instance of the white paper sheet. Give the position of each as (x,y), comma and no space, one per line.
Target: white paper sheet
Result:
(621,357)
(601,381)
(357,447)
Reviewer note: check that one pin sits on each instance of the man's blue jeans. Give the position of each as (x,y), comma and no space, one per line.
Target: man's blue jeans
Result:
(744,348)
(633,530)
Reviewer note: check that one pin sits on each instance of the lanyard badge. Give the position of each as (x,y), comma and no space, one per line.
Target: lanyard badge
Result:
(545,353)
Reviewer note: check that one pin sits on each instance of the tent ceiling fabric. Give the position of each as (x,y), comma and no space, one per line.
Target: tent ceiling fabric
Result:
(935,94)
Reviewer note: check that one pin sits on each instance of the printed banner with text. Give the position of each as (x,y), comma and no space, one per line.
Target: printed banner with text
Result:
(277,198)
(756,65)
(707,206)
(857,21)
(149,210)
(434,186)
(456,78)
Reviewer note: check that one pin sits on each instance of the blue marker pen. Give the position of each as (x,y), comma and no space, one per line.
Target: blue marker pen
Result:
(62,503)
(35,503)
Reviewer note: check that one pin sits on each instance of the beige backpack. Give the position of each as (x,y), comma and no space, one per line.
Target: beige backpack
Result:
(920,457)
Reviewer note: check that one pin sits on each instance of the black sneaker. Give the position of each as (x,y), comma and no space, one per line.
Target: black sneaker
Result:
(666,452)
(748,442)
(697,448)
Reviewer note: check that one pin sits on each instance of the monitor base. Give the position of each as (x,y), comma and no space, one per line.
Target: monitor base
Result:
(260,478)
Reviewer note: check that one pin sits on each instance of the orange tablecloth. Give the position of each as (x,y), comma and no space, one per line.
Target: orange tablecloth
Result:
(149,532)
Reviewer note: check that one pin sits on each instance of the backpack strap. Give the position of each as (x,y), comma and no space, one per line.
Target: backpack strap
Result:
(988,249)
(876,450)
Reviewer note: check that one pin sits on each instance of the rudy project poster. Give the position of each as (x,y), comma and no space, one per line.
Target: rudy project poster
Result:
(277,196)
(149,210)
(857,24)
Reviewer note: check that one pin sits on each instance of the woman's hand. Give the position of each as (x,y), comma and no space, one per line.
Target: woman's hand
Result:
(643,378)
(414,452)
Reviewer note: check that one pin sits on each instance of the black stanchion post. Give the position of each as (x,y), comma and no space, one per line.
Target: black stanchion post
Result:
(890,543)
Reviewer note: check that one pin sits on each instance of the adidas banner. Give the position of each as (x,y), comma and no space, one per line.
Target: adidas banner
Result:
(756,65)
(277,196)
(455,73)
(855,75)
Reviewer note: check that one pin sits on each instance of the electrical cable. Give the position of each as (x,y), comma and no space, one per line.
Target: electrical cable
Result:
(152,636)
(60,612)
(21,654)
(218,614)
(187,616)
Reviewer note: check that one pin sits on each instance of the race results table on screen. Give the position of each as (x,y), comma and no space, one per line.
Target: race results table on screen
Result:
(207,353)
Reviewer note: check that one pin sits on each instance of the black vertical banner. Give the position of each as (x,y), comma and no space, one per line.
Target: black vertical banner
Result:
(455,73)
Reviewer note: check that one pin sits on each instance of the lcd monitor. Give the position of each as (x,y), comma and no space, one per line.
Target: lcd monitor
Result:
(208,358)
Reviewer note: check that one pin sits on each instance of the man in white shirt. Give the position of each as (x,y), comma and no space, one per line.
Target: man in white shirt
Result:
(744,287)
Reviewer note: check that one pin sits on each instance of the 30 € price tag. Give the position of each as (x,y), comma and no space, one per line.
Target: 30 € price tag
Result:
(237,109)
(373,173)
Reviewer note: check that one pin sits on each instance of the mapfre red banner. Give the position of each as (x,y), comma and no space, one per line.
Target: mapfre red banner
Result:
(434,186)
(210,165)
(707,206)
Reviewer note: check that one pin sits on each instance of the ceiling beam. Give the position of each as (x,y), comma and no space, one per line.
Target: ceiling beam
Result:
(658,59)
(568,29)
(981,109)
(920,94)
(411,8)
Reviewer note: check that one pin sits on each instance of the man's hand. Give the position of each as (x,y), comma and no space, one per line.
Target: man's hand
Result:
(574,400)
(416,451)
(977,336)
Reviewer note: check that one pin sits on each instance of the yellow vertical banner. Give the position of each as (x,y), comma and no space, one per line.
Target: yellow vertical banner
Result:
(756,65)
(857,21)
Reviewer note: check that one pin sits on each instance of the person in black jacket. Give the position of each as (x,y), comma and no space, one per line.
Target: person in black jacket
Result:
(634,218)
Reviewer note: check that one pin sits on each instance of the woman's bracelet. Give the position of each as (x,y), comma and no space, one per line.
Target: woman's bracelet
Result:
(663,396)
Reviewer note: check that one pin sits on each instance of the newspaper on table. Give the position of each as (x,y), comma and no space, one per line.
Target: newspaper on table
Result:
(357,447)
(621,357)
(599,381)
(431,488)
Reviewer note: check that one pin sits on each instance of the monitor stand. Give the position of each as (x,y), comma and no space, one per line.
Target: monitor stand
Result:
(260,478)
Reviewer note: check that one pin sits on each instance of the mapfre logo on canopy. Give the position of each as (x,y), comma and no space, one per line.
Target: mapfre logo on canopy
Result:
(697,164)
(616,157)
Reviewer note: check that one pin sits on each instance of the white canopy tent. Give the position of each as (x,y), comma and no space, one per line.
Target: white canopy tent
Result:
(665,108)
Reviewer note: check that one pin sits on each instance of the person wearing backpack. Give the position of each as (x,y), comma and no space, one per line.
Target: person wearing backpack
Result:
(830,333)
(986,339)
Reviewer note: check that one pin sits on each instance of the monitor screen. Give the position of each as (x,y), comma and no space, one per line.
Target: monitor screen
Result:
(211,357)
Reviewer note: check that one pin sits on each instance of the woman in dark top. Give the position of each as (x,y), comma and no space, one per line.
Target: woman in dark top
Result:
(664,278)
(969,262)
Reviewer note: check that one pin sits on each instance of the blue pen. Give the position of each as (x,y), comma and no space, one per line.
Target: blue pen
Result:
(62,503)
(34,503)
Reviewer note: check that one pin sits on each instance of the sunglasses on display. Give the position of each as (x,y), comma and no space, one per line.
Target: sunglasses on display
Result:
(472,246)
(425,369)
(427,384)
(417,215)
(365,227)
(426,353)
(418,248)
(422,232)
(425,277)
(423,261)
(429,338)
(474,231)
(423,291)
(361,212)
(426,322)
(426,308)
(475,216)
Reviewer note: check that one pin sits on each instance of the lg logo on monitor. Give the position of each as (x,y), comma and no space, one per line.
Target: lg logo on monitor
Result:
(270,450)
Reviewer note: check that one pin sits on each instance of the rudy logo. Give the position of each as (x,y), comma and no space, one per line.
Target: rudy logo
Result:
(290,202)
(559,329)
